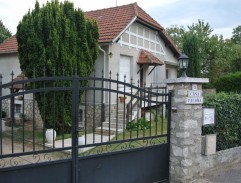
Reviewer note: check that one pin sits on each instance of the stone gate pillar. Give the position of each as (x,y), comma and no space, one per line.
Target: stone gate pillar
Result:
(186,123)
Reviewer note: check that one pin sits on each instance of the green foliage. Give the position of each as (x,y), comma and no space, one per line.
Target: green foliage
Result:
(236,37)
(57,36)
(228,119)
(217,57)
(4,114)
(191,44)
(4,32)
(177,33)
(23,116)
(229,83)
(141,124)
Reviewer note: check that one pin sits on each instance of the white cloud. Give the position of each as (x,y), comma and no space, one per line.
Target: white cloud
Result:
(226,32)
(220,14)
(12,11)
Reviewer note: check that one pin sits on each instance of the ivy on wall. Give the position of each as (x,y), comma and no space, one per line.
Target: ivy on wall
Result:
(228,119)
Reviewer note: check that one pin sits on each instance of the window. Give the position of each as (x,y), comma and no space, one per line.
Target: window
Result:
(154,77)
(167,73)
(18,108)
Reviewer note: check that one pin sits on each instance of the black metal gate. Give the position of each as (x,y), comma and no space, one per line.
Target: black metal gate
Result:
(108,131)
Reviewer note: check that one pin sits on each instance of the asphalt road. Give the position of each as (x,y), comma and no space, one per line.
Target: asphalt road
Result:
(230,174)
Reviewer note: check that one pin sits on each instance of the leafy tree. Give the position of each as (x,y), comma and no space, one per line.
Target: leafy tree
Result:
(4,32)
(236,40)
(176,33)
(212,55)
(195,43)
(201,28)
(236,37)
(53,37)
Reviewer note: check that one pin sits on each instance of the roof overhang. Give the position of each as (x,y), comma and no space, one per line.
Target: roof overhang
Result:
(8,52)
(147,58)
(172,63)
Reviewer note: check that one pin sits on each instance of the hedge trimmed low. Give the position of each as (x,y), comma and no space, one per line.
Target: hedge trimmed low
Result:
(229,83)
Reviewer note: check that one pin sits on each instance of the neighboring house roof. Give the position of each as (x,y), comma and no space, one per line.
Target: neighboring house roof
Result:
(148,58)
(9,46)
(113,21)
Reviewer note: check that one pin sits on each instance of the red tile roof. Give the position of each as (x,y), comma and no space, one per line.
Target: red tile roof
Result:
(111,22)
(9,46)
(148,58)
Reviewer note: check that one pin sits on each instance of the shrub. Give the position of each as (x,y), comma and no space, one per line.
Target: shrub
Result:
(228,119)
(229,83)
(141,124)
(4,114)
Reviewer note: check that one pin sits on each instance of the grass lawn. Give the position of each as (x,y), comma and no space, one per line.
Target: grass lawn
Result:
(158,127)
(133,137)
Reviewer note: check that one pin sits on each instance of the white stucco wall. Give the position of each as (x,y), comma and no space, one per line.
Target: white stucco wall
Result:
(9,63)
(119,50)
(137,37)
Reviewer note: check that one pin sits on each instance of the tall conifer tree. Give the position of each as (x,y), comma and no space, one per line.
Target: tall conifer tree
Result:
(191,47)
(57,36)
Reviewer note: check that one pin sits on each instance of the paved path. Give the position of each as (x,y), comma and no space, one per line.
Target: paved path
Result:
(35,158)
(90,139)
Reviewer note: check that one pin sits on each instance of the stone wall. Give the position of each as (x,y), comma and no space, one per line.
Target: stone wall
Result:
(185,137)
(93,116)
(208,91)
(28,112)
(5,106)
(221,159)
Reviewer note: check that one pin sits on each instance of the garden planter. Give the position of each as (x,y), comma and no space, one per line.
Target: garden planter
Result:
(81,140)
(122,99)
(50,135)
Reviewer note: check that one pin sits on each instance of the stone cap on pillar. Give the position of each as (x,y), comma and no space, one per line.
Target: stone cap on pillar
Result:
(186,80)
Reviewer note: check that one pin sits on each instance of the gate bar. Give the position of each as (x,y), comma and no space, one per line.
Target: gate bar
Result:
(75,107)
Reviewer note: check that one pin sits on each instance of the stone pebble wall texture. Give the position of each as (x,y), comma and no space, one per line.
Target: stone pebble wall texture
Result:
(28,111)
(185,155)
(92,114)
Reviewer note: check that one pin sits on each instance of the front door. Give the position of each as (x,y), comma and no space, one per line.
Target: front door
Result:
(125,68)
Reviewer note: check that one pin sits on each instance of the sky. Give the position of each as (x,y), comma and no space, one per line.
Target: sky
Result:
(222,15)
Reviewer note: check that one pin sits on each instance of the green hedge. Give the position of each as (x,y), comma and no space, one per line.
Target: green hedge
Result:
(229,83)
(228,119)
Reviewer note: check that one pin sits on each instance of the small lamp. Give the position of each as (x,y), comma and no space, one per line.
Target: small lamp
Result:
(110,54)
(183,63)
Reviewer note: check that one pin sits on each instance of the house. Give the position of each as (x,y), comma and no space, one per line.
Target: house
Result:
(9,64)
(132,44)
(10,70)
